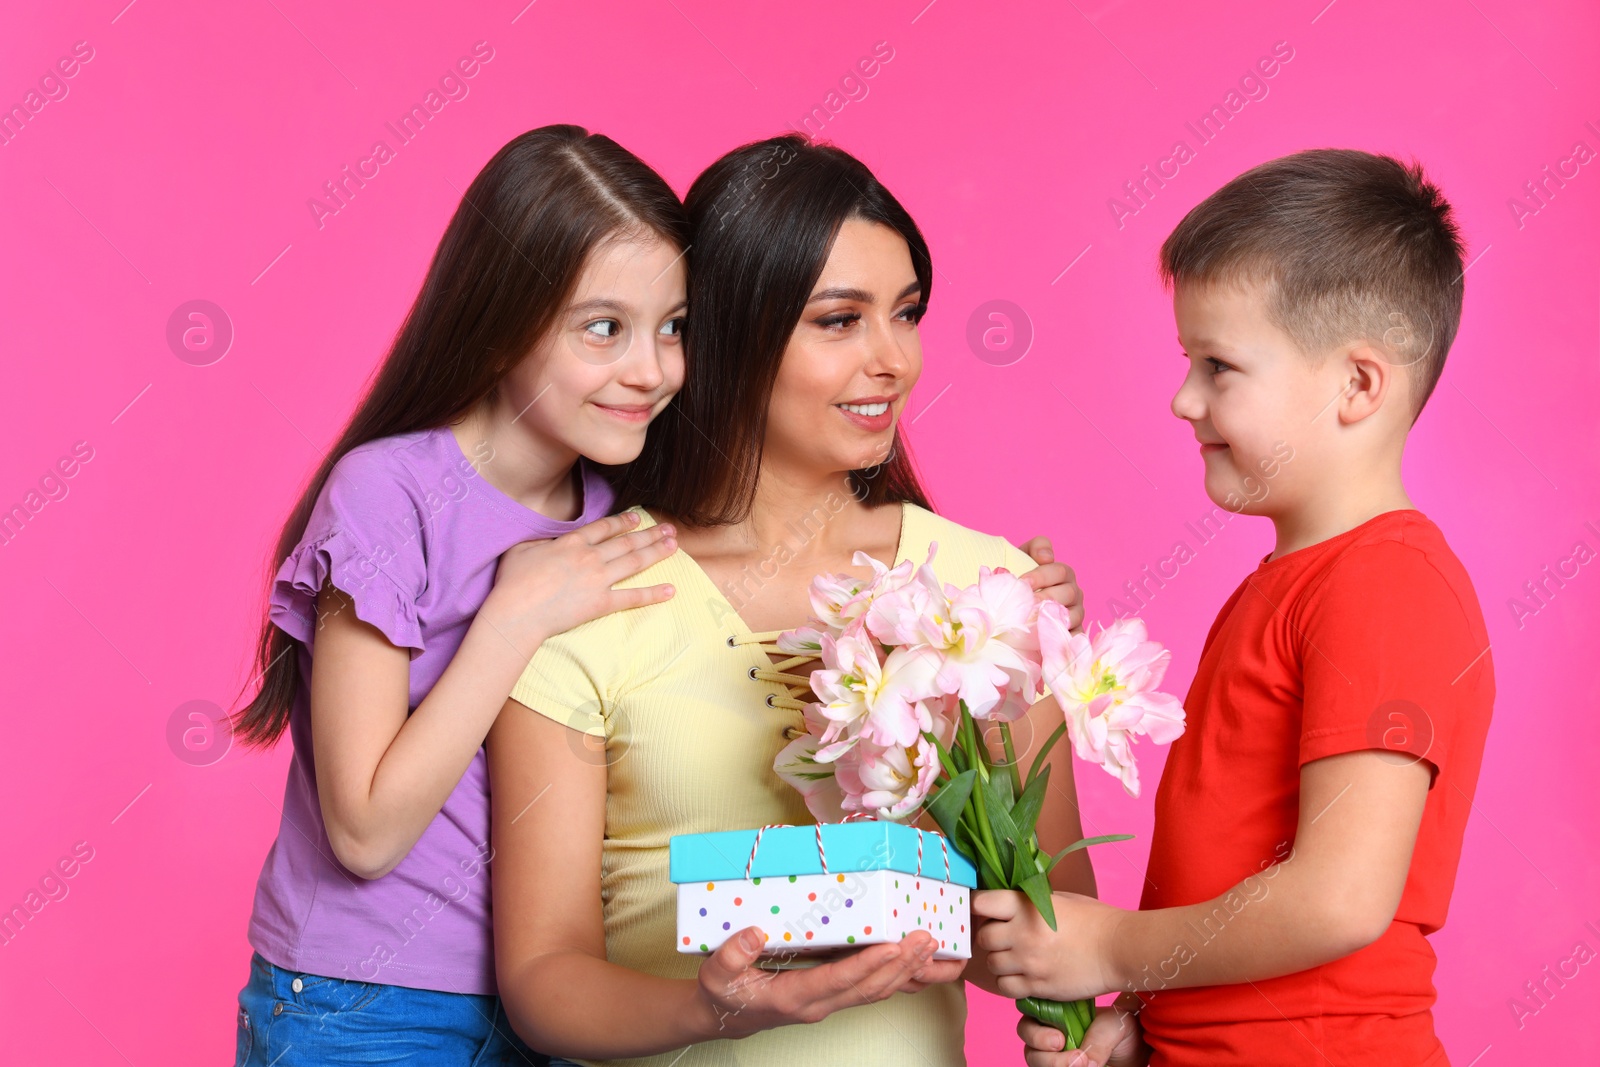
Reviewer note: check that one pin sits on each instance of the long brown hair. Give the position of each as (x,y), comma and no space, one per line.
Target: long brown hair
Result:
(763,220)
(506,265)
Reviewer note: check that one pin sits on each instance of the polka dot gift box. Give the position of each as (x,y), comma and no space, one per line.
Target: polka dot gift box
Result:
(820,888)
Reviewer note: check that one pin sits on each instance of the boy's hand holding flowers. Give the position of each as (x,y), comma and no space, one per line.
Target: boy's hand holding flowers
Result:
(1030,959)
(1114,1039)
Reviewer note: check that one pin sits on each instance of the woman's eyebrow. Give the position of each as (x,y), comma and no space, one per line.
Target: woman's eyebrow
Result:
(861,296)
(842,292)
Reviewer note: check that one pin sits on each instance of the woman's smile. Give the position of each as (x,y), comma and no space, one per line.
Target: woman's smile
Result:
(872,413)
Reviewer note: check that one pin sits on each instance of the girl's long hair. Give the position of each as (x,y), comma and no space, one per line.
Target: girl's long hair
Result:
(763,220)
(507,264)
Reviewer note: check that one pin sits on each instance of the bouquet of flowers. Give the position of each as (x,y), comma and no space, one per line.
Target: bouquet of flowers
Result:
(909,669)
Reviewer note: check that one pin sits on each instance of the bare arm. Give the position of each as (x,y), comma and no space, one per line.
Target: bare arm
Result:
(561,993)
(548,822)
(383,774)
(1336,892)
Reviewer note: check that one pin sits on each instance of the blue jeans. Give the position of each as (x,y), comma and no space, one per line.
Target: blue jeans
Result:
(287,1019)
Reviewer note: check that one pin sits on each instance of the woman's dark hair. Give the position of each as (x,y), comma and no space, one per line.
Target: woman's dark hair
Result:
(506,266)
(763,220)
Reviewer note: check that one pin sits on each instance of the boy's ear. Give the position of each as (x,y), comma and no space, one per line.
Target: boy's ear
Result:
(1373,381)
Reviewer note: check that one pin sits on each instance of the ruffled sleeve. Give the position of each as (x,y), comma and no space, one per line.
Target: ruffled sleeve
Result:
(365,537)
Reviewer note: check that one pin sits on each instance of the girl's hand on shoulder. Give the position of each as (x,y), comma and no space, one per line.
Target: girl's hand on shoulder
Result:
(543,588)
(741,998)
(1054,580)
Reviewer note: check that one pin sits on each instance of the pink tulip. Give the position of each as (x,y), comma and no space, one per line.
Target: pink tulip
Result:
(889,782)
(838,600)
(995,620)
(901,653)
(834,598)
(814,780)
(865,698)
(1106,686)
(807,640)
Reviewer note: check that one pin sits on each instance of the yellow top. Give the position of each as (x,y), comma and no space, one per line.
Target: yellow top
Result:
(690,737)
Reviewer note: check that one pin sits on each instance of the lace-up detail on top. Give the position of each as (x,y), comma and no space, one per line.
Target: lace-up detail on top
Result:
(797,686)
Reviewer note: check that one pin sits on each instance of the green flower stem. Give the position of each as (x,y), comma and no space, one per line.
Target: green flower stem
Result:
(1011,759)
(978,753)
(980,806)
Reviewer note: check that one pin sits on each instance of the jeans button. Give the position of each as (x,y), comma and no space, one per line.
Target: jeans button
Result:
(277,1009)
(297,985)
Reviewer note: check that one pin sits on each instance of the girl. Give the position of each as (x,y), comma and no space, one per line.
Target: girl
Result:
(780,460)
(416,582)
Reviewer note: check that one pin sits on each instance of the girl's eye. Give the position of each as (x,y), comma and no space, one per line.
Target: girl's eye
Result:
(673,327)
(603,329)
(838,321)
(913,313)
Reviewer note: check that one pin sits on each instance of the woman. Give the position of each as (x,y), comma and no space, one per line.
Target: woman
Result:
(779,460)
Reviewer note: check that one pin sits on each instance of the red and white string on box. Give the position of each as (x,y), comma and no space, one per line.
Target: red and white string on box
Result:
(822,854)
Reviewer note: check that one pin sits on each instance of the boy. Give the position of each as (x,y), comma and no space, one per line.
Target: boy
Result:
(1309,823)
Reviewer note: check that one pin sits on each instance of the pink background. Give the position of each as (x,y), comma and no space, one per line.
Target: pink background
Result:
(179,167)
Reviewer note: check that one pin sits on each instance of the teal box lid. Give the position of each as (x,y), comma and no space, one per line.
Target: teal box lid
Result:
(851,846)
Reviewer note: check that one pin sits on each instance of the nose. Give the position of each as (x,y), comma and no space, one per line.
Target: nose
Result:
(1187,403)
(642,367)
(888,355)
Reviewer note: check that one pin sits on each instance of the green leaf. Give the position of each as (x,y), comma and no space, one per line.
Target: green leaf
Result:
(1044,750)
(950,770)
(1038,890)
(1002,789)
(948,801)
(958,756)
(1025,812)
(1085,843)
(971,844)
(988,877)
(1024,864)
(1064,1017)
(1005,831)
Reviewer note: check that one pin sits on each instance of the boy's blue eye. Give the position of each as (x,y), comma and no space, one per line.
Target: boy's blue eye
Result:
(1216,365)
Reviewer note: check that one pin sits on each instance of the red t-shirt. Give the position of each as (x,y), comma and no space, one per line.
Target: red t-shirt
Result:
(1370,640)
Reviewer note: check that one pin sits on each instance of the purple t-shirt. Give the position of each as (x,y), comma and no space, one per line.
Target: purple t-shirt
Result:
(412,533)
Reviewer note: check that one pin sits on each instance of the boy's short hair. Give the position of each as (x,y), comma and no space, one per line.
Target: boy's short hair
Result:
(1351,246)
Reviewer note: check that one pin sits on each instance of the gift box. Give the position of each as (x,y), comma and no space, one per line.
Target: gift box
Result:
(817,889)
